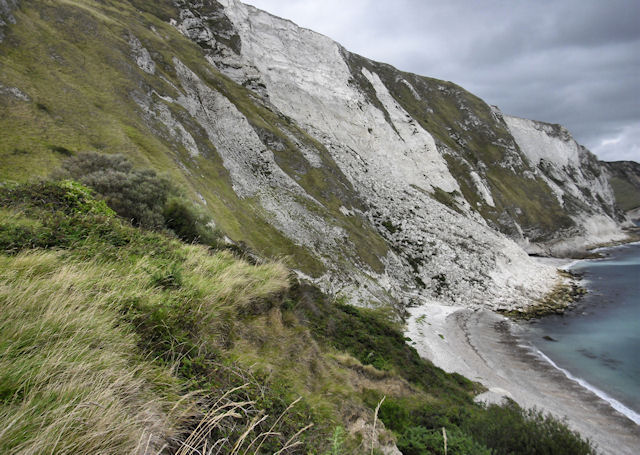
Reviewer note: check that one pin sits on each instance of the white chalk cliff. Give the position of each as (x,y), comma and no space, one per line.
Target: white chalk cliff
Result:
(443,244)
(383,185)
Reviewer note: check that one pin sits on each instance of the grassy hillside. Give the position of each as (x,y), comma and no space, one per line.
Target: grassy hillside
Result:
(128,324)
(625,181)
(116,339)
(79,89)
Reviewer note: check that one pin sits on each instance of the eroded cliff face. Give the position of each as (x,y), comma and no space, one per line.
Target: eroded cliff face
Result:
(380,185)
(439,246)
(576,178)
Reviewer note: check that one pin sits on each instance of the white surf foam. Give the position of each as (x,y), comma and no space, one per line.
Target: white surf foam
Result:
(615,404)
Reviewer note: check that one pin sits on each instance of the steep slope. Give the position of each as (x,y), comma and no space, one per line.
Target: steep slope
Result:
(625,181)
(380,185)
(577,179)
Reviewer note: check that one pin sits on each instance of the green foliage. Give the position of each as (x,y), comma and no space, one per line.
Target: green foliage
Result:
(65,215)
(136,195)
(371,337)
(420,441)
(66,196)
(167,276)
(121,294)
(389,226)
(510,429)
(336,443)
(71,377)
(141,196)
(189,223)
(505,429)
(395,414)
(400,413)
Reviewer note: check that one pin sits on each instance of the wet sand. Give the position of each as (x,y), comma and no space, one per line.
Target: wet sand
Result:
(484,347)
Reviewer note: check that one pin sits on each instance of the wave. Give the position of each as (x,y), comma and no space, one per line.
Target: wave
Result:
(615,404)
(614,247)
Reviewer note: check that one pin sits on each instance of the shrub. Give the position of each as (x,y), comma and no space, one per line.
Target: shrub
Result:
(138,196)
(65,196)
(189,223)
(421,441)
(510,429)
(336,441)
(141,196)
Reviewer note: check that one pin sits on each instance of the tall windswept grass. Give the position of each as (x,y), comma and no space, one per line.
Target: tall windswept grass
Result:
(70,379)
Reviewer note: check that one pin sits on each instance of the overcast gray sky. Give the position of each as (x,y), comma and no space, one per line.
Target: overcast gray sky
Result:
(573,62)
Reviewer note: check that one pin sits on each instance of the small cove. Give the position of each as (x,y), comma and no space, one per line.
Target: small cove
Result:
(597,344)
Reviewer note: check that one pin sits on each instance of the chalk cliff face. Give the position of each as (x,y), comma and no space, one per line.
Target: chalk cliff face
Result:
(576,178)
(378,184)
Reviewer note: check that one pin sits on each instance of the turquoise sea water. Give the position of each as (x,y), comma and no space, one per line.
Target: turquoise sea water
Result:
(598,343)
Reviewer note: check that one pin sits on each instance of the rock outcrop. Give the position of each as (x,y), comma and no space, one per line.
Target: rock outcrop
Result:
(6,16)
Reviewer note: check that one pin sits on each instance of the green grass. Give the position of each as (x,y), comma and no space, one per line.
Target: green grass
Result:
(114,336)
(627,195)
(189,318)
(71,379)
(104,326)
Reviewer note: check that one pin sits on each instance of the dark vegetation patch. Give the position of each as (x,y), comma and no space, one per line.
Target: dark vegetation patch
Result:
(475,430)
(390,226)
(140,196)
(441,284)
(61,150)
(447,198)
(370,337)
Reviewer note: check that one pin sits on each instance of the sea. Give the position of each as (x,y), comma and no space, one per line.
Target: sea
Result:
(597,344)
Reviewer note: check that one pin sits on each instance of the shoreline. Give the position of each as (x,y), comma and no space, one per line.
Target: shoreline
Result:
(605,252)
(615,404)
(485,347)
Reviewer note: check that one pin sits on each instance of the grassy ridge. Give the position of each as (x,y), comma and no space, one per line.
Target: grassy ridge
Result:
(115,339)
(170,327)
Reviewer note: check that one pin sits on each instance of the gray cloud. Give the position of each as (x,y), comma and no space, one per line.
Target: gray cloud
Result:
(573,62)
